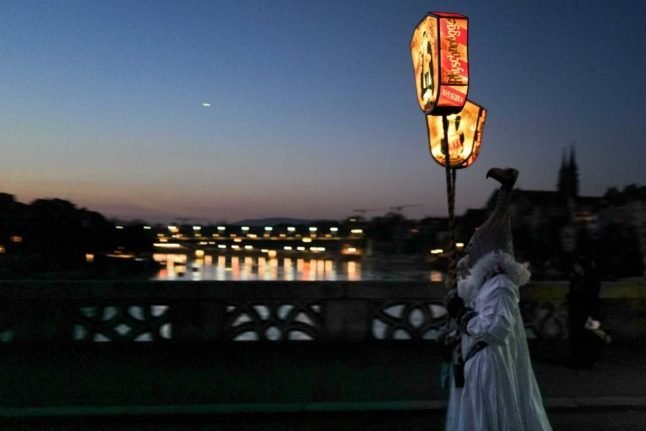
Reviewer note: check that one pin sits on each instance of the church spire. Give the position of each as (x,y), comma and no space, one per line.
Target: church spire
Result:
(562,173)
(568,183)
(574,172)
(563,159)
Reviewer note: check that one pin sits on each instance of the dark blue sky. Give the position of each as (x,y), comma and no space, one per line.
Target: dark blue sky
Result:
(313,110)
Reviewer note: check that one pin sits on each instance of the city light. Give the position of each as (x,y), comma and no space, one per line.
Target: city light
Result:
(199,253)
(307,239)
(222,246)
(436,276)
(173,245)
(118,227)
(118,254)
(350,251)
(244,228)
(291,229)
(459,244)
(287,247)
(147,227)
(437,251)
(16,239)
(334,229)
(173,229)
(221,228)
(356,231)
(268,228)
(197,228)
(248,247)
(313,229)
(89,257)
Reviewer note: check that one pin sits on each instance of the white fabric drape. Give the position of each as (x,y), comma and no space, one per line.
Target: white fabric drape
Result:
(500,391)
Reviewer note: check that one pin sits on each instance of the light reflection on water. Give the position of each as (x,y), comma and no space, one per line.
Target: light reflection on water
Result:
(248,268)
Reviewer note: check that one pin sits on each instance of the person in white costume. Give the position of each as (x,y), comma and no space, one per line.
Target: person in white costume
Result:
(499,392)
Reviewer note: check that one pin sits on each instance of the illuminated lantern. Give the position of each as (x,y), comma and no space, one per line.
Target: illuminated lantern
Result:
(464,136)
(440,62)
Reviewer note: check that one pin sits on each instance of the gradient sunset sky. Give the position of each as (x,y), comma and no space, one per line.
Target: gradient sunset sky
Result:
(312,109)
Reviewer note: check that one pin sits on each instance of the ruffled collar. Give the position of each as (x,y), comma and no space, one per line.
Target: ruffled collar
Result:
(495,262)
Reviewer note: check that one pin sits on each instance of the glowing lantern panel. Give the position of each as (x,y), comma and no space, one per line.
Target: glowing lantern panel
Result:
(440,62)
(477,139)
(464,136)
(424,52)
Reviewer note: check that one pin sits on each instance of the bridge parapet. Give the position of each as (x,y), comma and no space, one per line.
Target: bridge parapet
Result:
(71,345)
(320,312)
(175,312)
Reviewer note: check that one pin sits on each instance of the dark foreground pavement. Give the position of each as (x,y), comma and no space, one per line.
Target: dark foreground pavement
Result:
(574,420)
(611,395)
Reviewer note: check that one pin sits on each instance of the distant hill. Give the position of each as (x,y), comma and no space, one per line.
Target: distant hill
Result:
(272,221)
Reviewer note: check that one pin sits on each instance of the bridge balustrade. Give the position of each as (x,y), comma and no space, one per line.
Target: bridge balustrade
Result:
(66,346)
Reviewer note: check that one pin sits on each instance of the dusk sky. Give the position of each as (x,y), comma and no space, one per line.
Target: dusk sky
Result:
(313,111)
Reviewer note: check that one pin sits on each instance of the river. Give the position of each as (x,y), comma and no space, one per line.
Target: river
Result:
(266,268)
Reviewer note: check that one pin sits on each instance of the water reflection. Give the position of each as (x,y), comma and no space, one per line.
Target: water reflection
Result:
(266,268)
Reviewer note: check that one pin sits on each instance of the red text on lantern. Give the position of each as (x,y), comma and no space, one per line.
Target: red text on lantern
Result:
(448,96)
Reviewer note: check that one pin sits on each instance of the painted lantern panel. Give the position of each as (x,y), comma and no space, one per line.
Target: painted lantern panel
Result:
(439,50)
(464,136)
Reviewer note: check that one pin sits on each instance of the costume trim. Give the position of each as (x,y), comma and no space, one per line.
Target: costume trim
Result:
(494,262)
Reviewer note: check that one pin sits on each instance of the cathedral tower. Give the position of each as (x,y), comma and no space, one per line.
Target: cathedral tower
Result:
(568,184)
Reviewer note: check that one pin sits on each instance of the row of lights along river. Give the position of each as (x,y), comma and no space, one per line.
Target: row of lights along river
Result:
(321,252)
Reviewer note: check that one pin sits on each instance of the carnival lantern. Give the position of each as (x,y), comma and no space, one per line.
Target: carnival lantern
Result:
(439,50)
(462,138)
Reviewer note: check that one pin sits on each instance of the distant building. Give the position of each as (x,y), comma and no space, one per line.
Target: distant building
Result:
(550,226)
(568,183)
(624,212)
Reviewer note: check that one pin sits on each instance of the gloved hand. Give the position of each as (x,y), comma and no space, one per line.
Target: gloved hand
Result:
(463,319)
(454,304)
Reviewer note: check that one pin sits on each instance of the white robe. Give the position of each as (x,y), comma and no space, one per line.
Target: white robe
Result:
(500,391)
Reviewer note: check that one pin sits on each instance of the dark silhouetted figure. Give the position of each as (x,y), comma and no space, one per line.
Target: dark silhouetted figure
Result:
(584,315)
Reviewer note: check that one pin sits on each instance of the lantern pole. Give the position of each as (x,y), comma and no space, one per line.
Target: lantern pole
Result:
(450,195)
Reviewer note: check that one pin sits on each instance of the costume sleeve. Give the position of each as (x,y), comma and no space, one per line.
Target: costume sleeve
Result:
(496,316)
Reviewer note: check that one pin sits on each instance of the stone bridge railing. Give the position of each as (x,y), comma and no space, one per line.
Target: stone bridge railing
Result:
(218,311)
(102,311)
(66,347)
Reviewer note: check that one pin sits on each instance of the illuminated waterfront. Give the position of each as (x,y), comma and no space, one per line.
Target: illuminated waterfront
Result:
(264,268)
